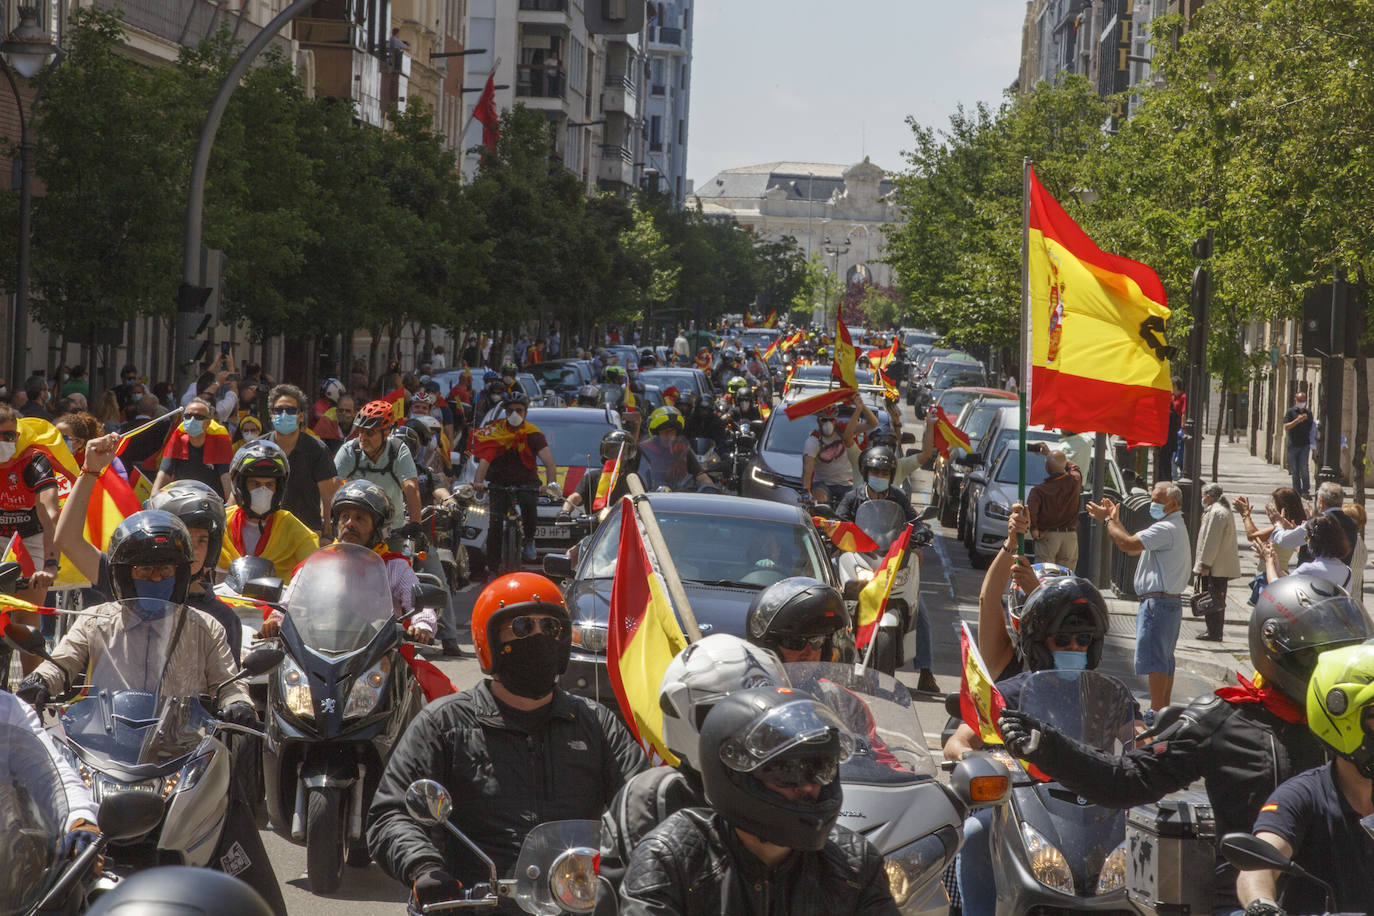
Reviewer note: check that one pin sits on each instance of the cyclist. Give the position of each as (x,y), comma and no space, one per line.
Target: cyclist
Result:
(257,525)
(375,456)
(670,460)
(616,443)
(507,451)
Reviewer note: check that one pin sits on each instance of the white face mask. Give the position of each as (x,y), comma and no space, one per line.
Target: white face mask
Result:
(260,501)
(7,450)
(515,419)
(249,436)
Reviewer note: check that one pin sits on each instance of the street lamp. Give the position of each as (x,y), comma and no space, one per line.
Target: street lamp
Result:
(834,251)
(26,51)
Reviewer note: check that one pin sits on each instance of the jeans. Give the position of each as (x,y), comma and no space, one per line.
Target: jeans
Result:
(1297,466)
(977,886)
(925,653)
(498,505)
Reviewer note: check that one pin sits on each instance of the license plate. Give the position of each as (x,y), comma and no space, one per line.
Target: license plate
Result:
(553,532)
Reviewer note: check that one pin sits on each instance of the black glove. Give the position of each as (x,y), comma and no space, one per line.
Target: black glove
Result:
(1264,907)
(34,691)
(434,886)
(564,518)
(409,530)
(1020,732)
(76,840)
(240,714)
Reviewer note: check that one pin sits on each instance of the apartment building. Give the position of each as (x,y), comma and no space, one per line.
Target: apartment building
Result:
(669,84)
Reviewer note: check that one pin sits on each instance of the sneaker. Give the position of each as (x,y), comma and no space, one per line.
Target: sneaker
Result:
(1149,718)
(1208,637)
(926,683)
(529,554)
(452,649)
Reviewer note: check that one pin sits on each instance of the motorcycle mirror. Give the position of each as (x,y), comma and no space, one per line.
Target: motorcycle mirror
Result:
(262,660)
(427,595)
(264,588)
(1248,852)
(952,708)
(929,512)
(428,802)
(26,639)
(10,573)
(558,565)
(980,782)
(127,815)
(852,589)
(908,439)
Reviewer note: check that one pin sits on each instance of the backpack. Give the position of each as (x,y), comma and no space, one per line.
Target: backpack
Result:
(393,451)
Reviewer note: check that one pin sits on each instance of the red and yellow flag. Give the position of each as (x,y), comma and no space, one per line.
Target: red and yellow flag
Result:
(873,598)
(771,349)
(772,320)
(846,536)
(630,402)
(144,446)
(842,366)
(980,702)
(218,447)
(879,359)
(1099,362)
(791,340)
(490,442)
(946,434)
(816,403)
(397,400)
(39,435)
(643,638)
(889,386)
(112,501)
(605,485)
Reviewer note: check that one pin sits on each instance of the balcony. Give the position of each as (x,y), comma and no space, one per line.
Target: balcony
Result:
(554,12)
(619,94)
(185,22)
(539,82)
(616,168)
(670,38)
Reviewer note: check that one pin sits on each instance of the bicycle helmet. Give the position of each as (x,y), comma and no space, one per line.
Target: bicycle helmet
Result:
(665,417)
(589,396)
(331,389)
(510,596)
(878,460)
(259,459)
(180,890)
(150,538)
(1064,604)
(370,498)
(1295,619)
(491,375)
(793,609)
(423,397)
(199,507)
(515,398)
(784,737)
(612,442)
(377,414)
(737,385)
(614,374)
(509,370)
(1014,600)
(1340,703)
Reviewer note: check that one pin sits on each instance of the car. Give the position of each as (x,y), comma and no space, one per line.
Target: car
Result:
(911,339)
(562,377)
(775,470)
(991,449)
(945,372)
(530,386)
(757,337)
(950,472)
(690,383)
(574,435)
(625,355)
(726,550)
(952,400)
(818,373)
(994,490)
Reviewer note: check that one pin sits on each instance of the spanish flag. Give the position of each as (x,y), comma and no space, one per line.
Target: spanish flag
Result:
(1099,362)
(879,359)
(284,540)
(873,598)
(38,435)
(643,638)
(772,320)
(144,446)
(842,366)
(218,448)
(817,403)
(980,703)
(889,386)
(630,402)
(112,501)
(490,442)
(397,400)
(605,485)
(946,434)
(846,536)
(771,349)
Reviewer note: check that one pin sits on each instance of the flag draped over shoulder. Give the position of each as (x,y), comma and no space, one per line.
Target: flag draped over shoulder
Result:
(873,598)
(218,448)
(946,434)
(490,442)
(644,636)
(842,366)
(1099,362)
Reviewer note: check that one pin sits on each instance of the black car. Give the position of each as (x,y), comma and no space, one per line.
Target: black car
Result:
(726,550)
(691,384)
(562,377)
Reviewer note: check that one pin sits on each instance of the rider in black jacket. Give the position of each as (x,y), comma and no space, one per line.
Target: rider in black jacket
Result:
(514,751)
(1243,741)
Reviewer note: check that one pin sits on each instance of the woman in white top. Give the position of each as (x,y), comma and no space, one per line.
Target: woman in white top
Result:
(1327,544)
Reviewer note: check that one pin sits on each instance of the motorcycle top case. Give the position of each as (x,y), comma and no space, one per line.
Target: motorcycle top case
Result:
(1171,854)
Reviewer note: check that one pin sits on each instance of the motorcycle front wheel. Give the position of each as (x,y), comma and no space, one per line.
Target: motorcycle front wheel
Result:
(324,839)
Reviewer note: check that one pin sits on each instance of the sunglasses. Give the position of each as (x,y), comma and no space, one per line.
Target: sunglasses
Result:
(1079,640)
(798,643)
(522,627)
(289,411)
(195,416)
(794,772)
(11,435)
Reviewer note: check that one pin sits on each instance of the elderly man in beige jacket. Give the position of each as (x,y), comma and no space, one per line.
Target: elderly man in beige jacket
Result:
(1216,560)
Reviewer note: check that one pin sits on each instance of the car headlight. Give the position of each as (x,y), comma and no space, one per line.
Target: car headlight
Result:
(295,689)
(590,635)
(997,510)
(367,689)
(1113,875)
(572,879)
(1047,863)
(762,477)
(913,866)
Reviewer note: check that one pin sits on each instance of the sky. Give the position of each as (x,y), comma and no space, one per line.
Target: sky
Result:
(827,81)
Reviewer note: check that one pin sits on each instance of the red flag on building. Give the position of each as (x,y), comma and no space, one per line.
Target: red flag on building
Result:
(486,113)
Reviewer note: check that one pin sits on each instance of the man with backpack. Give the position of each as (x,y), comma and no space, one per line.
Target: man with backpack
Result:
(386,461)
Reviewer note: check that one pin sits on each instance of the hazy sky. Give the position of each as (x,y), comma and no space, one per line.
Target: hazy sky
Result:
(825,81)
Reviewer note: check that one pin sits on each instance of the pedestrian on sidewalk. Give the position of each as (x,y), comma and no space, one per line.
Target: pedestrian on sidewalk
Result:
(1178,408)
(1218,559)
(1285,510)
(1360,556)
(1330,497)
(1297,422)
(1165,567)
(1053,507)
(1328,545)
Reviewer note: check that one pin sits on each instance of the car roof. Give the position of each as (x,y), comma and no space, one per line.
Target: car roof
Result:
(1001,393)
(722,504)
(595,415)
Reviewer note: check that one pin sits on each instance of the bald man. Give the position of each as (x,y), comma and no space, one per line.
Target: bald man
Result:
(1053,505)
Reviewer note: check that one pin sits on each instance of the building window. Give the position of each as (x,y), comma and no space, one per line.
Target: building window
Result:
(656,133)
(577,66)
(680,123)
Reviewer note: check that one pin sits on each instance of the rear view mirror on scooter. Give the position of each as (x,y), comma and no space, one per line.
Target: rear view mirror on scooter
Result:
(427,595)
(428,802)
(262,660)
(929,512)
(27,639)
(128,815)
(853,587)
(1248,852)
(263,588)
(980,782)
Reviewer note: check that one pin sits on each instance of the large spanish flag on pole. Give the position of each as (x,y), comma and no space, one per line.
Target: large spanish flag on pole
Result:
(643,638)
(873,598)
(842,365)
(1098,360)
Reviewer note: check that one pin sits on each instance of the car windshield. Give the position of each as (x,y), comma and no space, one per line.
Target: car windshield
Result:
(684,380)
(1035,469)
(979,420)
(954,399)
(961,376)
(788,436)
(744,552)
(811,373)
(556,376)
(572,439)
(1007,438)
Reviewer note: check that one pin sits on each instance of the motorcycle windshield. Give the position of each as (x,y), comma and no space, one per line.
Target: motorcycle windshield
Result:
(1090,707)
(133,728)
(130,651)
(340,599)
(33,817)
(547,875)
(876,708)
(882,520)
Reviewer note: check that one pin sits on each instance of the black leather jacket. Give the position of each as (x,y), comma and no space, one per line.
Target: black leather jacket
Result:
(505,777)
(693,864)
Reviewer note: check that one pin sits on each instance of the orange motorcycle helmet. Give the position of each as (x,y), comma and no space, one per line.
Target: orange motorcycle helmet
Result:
(511,596)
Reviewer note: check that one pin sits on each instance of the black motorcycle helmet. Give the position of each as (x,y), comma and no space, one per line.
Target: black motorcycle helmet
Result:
(1295,619)
(150,538)
(612,442)
(878,461)
(198,507)
(407,434)
(180,890)
(588,396)
(1063,604)
(370,498)
(795,609)
(259,459)
(778,735)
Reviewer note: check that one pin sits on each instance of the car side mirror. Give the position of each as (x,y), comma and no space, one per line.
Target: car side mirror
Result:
(558,565)
(980,782)
(908,439)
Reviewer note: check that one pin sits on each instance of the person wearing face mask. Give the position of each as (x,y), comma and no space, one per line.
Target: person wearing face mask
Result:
(313,477)
(507,452)
(877,471)
(199,448)
(1297,423)
(666,460)
(250,431)
(1166,564)
(826,473)
(258,525)
(513,750)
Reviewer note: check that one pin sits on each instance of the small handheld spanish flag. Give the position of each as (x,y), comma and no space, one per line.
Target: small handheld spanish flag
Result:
(946,433)
(846,536)
(610,475)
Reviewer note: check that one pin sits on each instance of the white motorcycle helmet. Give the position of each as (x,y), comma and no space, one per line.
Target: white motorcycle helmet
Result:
(700,676)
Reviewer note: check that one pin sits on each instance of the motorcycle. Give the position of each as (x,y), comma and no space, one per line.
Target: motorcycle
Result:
(1248,852)
(124,735)
(883,521)
(1050,848)
(891,793)
(336,707)
(555,873)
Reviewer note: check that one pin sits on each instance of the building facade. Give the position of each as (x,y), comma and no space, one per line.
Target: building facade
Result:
(668,77)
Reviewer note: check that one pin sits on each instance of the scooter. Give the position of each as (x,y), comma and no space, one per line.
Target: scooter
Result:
(891,793)
(1248,852)
(555,873)
(336,707)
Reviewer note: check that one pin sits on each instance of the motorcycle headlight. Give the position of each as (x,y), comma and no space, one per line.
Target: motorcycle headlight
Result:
(863,574)
(1113,875)
(572,879)
(367,689)
(295,689)
(589,635)
(185,779)
(914,866)
(762,477)
(997,510)
(1047,863)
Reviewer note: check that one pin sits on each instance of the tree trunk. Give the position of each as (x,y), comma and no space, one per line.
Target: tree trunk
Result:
(373,371)
(1359,452)
(1221,427)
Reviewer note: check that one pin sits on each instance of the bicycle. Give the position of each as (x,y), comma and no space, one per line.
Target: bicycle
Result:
(511,550)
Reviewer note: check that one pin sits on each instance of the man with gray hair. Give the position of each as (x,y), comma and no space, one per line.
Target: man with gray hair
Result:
(1330,496)
(1053,505)
(1166,564)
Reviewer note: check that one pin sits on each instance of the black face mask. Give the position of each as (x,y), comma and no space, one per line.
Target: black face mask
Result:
(529,667)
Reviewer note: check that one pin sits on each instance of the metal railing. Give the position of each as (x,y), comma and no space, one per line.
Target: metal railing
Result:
(544,6)
(613,150)
(186,22)
(540,82)
(619,81)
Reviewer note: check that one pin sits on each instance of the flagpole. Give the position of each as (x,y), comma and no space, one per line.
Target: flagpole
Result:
(1025,338)
(676,594)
